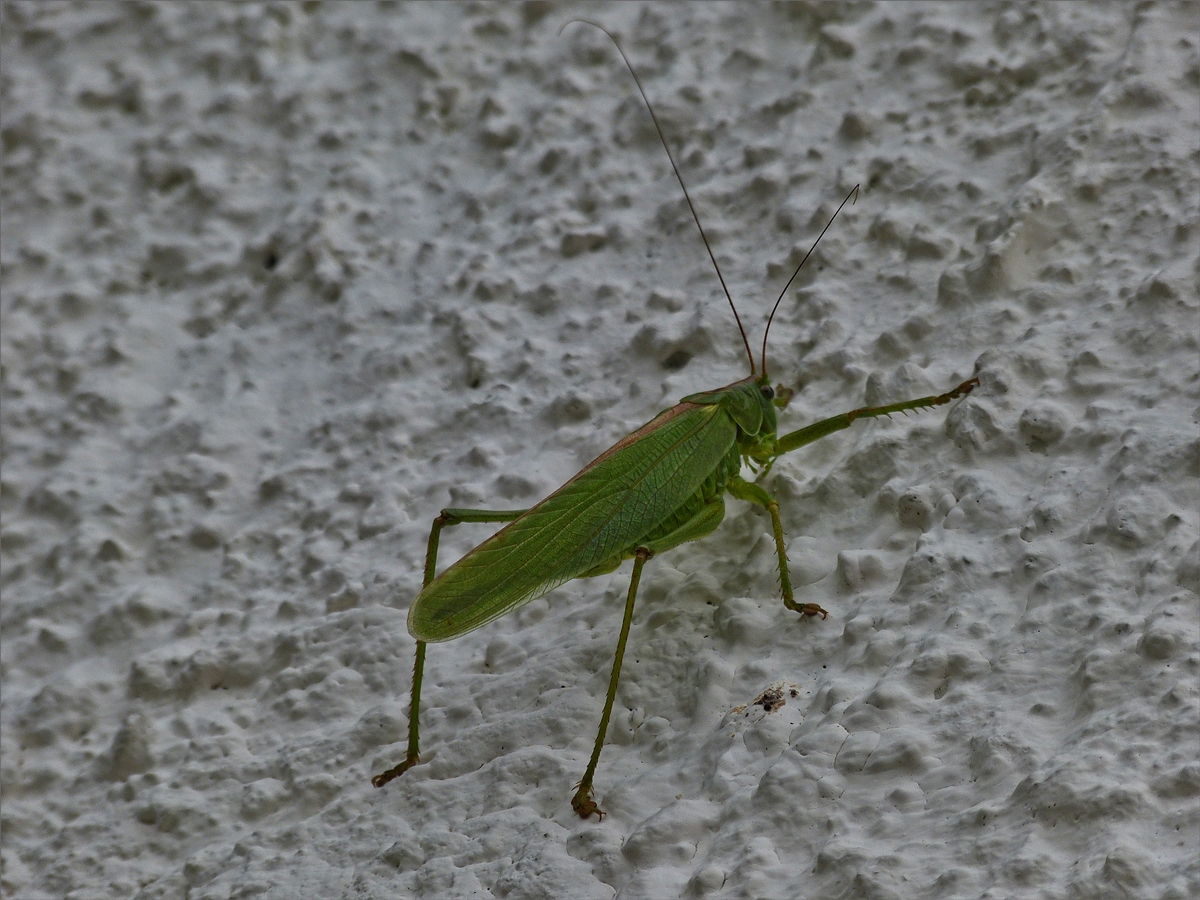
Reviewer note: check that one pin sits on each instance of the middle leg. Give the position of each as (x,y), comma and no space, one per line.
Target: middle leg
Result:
(753,493)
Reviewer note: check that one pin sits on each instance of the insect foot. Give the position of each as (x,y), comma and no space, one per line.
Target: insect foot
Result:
(808,609)
(395,772)
(583,803)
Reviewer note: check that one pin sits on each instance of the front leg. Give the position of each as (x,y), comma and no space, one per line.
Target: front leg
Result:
(753,493)
(799,438)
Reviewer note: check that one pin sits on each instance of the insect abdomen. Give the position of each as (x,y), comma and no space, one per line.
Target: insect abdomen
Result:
(712,488)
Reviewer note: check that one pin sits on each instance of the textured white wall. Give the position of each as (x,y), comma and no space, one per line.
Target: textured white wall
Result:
(280,281)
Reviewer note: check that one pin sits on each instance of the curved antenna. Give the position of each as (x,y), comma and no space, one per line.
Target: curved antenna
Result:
(852,195)
(686,196)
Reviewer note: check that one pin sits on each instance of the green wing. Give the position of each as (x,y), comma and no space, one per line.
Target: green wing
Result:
(593,519)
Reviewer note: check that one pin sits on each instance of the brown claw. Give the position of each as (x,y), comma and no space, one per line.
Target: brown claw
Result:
(584,805)
(812,609)
(965,388)
(384,777)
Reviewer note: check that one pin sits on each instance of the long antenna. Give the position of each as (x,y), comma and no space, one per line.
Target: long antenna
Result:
(686,196)
(852,195)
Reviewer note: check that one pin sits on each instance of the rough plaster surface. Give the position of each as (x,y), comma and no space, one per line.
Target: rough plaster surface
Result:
(282,280)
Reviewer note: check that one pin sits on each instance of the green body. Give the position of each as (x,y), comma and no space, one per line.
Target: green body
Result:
(657,488)
(661,486)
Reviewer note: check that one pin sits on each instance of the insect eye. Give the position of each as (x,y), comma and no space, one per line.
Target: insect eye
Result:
(768,391)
